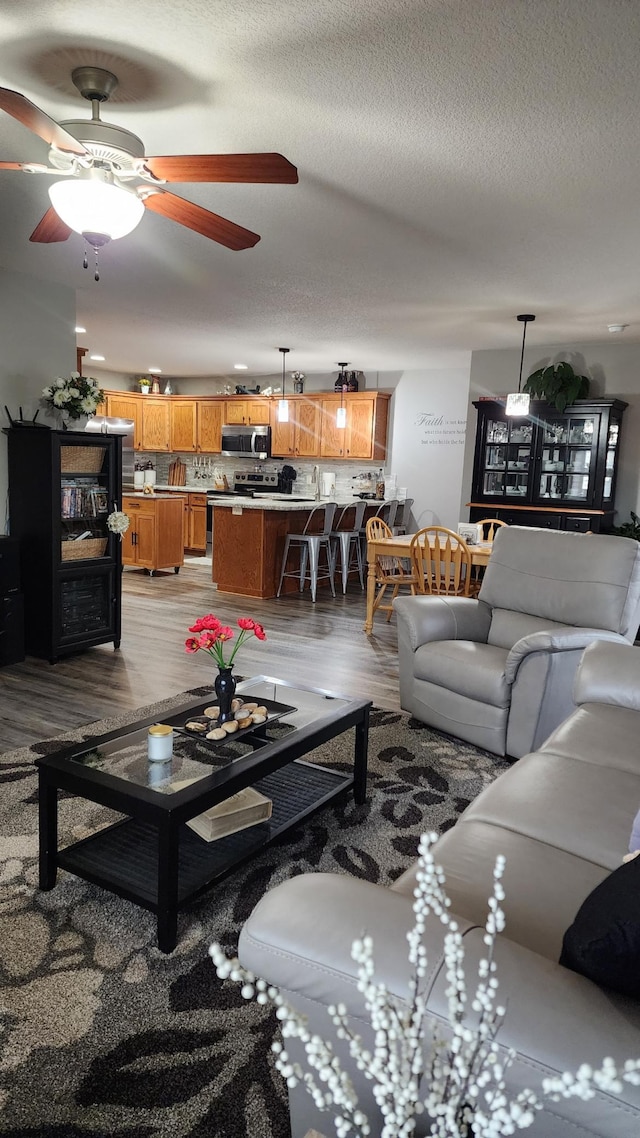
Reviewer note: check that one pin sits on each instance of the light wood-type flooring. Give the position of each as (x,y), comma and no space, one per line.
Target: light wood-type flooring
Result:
(321,644)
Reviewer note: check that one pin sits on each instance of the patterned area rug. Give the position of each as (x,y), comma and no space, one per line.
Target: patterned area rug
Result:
(101,1034)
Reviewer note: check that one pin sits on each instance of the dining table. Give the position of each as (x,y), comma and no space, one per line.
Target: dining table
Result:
(398,546)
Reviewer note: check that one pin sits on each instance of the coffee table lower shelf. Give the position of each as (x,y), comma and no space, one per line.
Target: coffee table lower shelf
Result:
(124,858)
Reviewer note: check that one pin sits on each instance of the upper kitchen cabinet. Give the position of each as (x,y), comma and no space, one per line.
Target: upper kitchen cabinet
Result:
(155,423)
(125,406)
(248,412)
(548,469)
(365,432)
(300,436)
(183,425)
(209,425)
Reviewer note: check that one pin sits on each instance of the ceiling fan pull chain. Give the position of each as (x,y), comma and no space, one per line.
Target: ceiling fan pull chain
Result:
(85,259)
(96,275)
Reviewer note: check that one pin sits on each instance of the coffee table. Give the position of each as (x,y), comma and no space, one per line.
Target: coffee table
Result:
(151,856)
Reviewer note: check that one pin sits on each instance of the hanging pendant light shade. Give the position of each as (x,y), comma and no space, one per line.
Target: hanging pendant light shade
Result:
(518,401)
(283,405)
(341,413)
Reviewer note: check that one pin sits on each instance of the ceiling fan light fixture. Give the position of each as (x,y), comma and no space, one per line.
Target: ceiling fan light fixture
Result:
(518,402)
(90,207)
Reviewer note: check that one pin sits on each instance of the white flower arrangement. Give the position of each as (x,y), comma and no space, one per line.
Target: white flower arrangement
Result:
(76,395)
(462,1087)
(118,522)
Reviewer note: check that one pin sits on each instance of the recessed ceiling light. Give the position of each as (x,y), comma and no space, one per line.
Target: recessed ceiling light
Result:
(241,367)
(155,370)
(616,327)
(80,329)
(96,357)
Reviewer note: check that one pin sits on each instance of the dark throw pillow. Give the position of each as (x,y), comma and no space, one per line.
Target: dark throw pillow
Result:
(603,943)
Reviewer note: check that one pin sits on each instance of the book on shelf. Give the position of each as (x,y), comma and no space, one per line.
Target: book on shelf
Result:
(244,809)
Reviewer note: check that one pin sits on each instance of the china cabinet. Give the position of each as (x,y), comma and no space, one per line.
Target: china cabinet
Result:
(548,469)
(62,487)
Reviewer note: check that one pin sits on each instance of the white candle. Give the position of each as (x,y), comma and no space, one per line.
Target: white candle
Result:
(160,743)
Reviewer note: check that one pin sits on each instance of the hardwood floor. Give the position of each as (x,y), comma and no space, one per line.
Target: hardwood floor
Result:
(321,644)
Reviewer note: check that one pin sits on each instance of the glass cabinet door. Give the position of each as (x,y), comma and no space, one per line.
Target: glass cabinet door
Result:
(565,467)
(610,459)
(507,458)
(84,502)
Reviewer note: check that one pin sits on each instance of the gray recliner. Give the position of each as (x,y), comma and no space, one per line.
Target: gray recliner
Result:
(498,671)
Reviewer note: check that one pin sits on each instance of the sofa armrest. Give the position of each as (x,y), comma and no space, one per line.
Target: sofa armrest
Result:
(551,640)
(609,673)
(299,938)
(424,619)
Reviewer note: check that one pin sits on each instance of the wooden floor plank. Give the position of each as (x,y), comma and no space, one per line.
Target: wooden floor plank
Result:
(321,644)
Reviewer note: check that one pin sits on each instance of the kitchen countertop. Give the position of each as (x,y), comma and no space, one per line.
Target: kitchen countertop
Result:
(281,502)
(140,494)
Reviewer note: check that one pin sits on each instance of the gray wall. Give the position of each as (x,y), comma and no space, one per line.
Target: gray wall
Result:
(614,369)
(37,321)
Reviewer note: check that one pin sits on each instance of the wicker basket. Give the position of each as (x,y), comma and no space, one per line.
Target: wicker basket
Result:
(81,459)
(84,550)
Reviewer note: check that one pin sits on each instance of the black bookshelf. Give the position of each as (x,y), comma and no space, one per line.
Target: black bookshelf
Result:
(62,487)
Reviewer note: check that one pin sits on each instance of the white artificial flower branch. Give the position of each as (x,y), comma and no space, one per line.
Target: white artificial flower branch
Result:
(461,1086)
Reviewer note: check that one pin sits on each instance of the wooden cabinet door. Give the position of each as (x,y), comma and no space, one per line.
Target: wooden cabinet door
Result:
(257,412)
(209,426)
(359,429)
(125,407)
(234,411)
(182,417)
(128,546)
(186,515)
(282,434)
(198,528)
(308,419)
(155,423)
(146,540)
(332,439)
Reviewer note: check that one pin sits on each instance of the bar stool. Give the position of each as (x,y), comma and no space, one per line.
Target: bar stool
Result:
(348,542)
(310,545)
(403,517)
(386,512)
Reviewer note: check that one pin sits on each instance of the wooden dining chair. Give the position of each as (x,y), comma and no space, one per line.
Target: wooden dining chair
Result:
(392,573)
(488,531)
(489,527)
(441,562)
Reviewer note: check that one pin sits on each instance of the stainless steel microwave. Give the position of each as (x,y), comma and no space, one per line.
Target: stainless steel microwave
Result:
(246,442)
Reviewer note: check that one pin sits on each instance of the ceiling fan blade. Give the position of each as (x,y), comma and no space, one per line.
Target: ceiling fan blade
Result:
(223,168)
(29,167)
(29,115)
(12,165)
(50,228)
(201,220)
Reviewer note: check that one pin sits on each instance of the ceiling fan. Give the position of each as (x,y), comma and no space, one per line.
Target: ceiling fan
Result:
(107,181)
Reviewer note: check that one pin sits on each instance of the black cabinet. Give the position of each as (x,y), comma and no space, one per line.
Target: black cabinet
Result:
(62,487)
(547,469)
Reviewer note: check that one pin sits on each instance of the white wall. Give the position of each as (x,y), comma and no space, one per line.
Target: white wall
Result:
(428,439)
(614,369)
(215,385)
(37,321)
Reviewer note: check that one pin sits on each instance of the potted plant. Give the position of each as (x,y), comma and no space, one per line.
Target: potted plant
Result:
(144,383)
(557,384)
(629,529)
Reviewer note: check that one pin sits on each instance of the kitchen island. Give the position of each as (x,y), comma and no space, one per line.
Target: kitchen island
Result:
(249,537)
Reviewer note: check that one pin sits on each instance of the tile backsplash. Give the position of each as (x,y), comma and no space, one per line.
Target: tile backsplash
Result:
(202,469)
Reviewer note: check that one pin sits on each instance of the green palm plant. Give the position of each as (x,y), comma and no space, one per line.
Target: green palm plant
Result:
(557,384)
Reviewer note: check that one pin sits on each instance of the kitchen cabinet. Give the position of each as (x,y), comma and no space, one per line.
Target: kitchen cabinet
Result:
(124,406)
(183,425)
(195,523)
(209,426)
(365,433)
(249,412)
(62,487)
(155,538)
(300,436)
(155,423)
(548,469)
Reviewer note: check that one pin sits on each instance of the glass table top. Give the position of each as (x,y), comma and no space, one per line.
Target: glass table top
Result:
(195,758)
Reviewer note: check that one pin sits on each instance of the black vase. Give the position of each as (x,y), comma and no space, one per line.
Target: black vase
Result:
(225,688)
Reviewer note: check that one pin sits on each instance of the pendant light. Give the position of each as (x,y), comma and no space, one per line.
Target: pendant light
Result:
(341,413)
(518,401)
(283,406)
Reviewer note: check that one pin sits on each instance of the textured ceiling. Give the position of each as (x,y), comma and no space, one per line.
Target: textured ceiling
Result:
(460,161)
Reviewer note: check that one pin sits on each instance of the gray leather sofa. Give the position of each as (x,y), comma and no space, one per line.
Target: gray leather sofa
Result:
(498,671)
(562,817)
